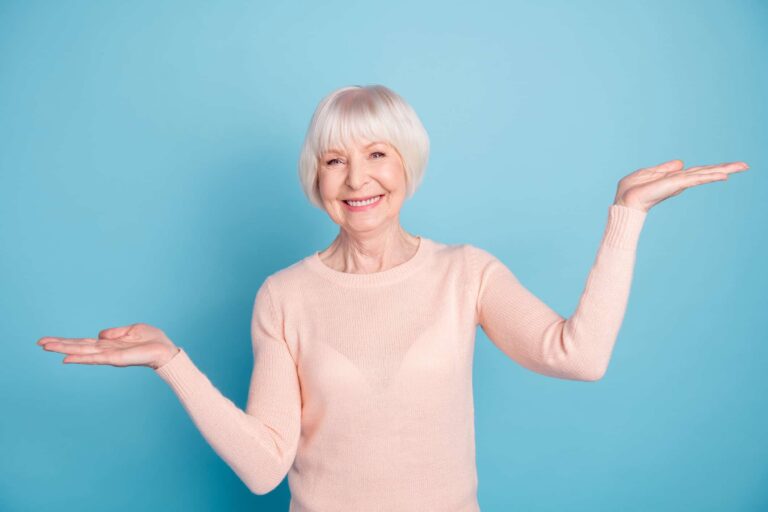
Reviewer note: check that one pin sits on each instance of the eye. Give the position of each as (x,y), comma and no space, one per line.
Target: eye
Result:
(330,162)
(378,153)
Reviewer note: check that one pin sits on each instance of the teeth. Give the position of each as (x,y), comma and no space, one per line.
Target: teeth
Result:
(363,203)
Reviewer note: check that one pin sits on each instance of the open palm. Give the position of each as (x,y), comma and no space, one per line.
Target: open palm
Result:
(649,186)
(132,345)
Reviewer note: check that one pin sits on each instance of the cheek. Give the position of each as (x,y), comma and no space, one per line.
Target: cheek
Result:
(328,187)
(394,178)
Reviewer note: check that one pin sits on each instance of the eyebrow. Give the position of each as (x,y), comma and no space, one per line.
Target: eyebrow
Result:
(334,150)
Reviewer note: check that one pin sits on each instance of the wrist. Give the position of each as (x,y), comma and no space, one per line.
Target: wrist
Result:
(170,354)
(625,204)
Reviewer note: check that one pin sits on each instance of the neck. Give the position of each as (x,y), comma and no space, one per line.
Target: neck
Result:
(364,253)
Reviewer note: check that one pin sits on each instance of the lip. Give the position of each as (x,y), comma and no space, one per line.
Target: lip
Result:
(361,198)
(365,207)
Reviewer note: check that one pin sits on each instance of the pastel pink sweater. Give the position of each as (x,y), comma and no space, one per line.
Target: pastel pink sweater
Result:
(361,389)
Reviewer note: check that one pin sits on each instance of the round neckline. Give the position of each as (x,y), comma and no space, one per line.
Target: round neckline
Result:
(390,275)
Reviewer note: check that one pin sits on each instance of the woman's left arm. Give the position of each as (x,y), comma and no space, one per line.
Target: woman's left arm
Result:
(580,347)
(537,337)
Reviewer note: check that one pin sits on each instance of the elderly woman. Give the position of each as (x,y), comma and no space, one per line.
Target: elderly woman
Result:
(361,389)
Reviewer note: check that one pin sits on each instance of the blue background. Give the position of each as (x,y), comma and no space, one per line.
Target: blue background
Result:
(148,173)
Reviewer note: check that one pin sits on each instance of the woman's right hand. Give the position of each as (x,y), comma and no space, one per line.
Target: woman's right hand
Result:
(131,345)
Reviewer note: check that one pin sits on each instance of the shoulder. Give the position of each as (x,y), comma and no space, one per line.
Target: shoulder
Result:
(469,257)
(446,253)
(297,285)
(284,281)
(477,257)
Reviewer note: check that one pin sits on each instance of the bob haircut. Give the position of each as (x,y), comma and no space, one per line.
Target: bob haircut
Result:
(371,112)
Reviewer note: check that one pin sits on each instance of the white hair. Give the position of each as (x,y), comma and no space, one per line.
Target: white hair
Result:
(372,112)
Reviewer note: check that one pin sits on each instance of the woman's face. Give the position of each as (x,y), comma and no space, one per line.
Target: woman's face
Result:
(370,169)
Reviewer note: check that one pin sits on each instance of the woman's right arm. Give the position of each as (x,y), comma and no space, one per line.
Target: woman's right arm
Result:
(260,443)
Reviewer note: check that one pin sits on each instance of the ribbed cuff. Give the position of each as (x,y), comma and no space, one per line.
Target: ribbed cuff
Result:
(624,226)
(179,372)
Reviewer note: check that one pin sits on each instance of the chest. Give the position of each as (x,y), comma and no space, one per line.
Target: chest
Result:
(375,340)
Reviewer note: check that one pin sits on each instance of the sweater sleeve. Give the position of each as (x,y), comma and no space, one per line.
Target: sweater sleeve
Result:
(259,444)
(538,338)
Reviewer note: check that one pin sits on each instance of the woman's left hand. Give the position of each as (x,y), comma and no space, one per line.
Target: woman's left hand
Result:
(649,186)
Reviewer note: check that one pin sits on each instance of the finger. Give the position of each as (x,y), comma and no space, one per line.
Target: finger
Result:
(88,359)
(72,348)
(691,180)
(49,339)
(115,332)
(671,165)
(729,167)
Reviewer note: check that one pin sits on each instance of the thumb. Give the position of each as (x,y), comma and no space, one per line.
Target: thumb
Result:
(671,165)
(114,332)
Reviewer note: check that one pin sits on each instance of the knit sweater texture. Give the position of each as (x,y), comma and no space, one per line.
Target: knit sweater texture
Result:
(361,390)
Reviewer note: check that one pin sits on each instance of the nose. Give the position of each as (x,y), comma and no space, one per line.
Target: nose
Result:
(357,174)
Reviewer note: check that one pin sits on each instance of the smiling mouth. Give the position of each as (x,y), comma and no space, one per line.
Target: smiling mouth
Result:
(363,202)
